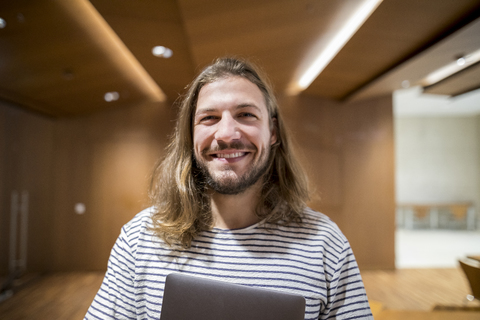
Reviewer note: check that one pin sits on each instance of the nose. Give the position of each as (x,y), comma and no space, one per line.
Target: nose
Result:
(227,129)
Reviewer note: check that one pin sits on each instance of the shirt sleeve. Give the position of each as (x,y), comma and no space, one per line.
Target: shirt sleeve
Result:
(347,298)
(116,296)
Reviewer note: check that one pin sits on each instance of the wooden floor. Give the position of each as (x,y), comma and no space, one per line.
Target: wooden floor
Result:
(417,289)
(55,296)
(412,291)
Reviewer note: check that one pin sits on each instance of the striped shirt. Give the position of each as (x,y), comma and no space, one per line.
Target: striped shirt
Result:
(313,259)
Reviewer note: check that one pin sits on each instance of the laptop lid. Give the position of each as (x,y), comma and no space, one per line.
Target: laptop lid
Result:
(194,298)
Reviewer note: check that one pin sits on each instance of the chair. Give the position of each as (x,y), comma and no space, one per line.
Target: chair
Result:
(471,269)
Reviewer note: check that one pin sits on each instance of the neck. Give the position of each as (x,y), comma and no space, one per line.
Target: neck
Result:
(236,211)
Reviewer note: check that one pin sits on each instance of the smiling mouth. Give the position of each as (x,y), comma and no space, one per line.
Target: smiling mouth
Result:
(229,155)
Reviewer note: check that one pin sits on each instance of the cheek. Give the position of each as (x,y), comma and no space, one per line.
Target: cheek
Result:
(258,137)
(200,139)
(268,138)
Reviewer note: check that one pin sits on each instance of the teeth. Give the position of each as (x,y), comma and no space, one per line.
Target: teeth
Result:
(230,155)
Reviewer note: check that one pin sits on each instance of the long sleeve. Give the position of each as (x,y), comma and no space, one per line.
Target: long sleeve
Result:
(116,297)
(347,298)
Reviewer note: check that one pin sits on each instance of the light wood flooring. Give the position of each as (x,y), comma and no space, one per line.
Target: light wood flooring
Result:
(417,289)
(68,295)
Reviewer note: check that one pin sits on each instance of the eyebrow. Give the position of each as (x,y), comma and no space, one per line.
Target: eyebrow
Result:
(248,105)
(240,106)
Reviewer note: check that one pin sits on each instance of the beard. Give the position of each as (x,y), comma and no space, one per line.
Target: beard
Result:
(227,182)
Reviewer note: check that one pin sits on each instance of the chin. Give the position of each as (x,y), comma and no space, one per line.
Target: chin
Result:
(226,179)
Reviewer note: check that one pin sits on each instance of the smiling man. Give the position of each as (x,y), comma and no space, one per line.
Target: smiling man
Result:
(232,137)
(232,134)
(229,203)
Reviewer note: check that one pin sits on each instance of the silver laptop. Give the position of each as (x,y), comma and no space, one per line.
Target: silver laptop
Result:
(194,298)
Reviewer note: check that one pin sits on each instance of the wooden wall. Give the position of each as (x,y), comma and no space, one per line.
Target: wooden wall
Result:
(26,157)
(104,161)
(348,152)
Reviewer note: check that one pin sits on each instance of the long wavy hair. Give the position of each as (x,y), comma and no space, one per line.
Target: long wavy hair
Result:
(177,188)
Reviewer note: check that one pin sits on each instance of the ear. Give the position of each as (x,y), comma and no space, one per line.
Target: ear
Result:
(273,136)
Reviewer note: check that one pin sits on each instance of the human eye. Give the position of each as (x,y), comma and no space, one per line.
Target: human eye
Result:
(247,115)
(206,119)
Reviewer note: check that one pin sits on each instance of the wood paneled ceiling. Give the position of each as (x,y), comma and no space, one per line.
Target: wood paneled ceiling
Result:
(61,57)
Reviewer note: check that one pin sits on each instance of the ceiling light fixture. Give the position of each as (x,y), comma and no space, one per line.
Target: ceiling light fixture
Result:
(111,96)
(337,43)
(3,23)
(451,68)
(84,14)
(162,52)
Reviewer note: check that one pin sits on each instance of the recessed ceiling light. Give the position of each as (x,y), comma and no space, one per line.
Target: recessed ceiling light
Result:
(3,23)
(451,68)
(162,52)
(111,96)
(80,208)
(461,61)
(405,84)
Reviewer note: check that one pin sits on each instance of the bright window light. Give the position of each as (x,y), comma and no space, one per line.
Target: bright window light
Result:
(337,43)
(451,68)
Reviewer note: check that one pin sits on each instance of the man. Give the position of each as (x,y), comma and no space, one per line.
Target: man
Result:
(229,204)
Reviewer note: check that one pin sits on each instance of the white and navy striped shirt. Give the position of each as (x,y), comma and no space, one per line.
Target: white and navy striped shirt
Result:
(313,259)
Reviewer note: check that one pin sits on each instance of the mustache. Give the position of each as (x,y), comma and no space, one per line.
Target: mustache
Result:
(236,145)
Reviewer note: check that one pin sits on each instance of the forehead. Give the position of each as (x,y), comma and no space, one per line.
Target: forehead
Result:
(230,92)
